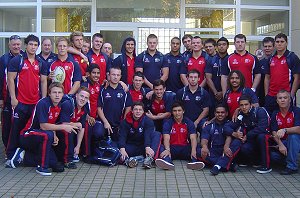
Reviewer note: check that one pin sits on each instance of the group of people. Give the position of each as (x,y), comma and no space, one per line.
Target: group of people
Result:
(203,105)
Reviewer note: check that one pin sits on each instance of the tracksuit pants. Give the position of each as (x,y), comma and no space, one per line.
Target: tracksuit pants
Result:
(21,115)
(65,148)
(6,122)
(180,152)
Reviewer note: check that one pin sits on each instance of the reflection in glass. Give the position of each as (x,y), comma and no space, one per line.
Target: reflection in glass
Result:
(266,2)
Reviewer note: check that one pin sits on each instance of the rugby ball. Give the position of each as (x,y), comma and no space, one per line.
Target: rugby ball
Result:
(59,74)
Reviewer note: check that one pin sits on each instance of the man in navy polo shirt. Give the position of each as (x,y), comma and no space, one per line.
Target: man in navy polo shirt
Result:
(113,104)
(68,65)
(195,100)
(73,112)
(24,73)
(187,42)
(281,73)
(251,128)
(150,62)
(39,134)
(247,63)
(179,141)
(159,106)
(268,49)
(14,45)
(46,53)
(138,137)
(218,149)
(285,127)
(236,82)
(175,62)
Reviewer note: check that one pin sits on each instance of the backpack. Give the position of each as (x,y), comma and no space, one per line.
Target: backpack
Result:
(105,154)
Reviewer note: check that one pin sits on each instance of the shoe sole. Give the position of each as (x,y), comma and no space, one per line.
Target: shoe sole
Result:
(164,165)
(195,165)
(12,159)
(264,172)
(76,161)
(43,174)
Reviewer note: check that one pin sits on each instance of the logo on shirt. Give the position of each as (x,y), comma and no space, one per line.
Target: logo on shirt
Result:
(279,122)
(201,62)
(146,60)
(282,62)
(67,67)
(93,60)
(107,95)
(156,60)
(190,62)
(186,98)
(50,60)
(16,115)
(235,62)
(102,60)
(289,120)
(215,65)
(119,95)
(197,98)
(229,100)
(247,60)
(131,130)
(173,130)
(56,114)
(141,130)
(162,106)
(178,61)
(25,66)
(50,116)
(182,130)
(36,67)
(140,97)
(169,61)
(216,132)
(92,91)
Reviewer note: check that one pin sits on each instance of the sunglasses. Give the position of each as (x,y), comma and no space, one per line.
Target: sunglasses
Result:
(14,37)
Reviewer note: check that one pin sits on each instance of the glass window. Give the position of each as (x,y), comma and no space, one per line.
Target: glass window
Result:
(264,22)
(66,19)
(67,0)
(211,18)
(18,19)
(11,1)
(210,2)
(266,2)
(159,11)
(116,38)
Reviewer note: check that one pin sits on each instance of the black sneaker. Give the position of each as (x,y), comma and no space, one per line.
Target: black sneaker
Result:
(58,168)
(43,171)
(288,171)
(160,163)
(195,165)
(70,165)
(18,158)
(148,162)
(215,170)
(263,170)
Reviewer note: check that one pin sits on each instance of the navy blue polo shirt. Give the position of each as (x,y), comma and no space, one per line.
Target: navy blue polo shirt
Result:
(70,113)
(215,66)
(214,133)
(151,65)
(52,57)
(113,102)
(175,63)
(193,102)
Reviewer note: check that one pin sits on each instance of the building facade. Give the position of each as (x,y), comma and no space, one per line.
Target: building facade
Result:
(117,19)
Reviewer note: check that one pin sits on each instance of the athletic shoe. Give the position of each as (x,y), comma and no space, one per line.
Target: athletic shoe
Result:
(160,163)
(76,159)
(18,158)
(70,165)
(215,170)
(263,170)
(43,171)
(131,162)
(8,164)
(195,165)
(288,171)
(148,162)
(58,168)
(258,166)
(243,165)
(233,167)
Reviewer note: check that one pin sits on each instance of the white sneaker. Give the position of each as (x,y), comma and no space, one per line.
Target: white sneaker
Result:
(195,165)
(160,163)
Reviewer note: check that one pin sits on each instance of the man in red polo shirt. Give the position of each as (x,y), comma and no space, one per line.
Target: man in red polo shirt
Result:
(196,61)
(71,69)
(96,56)
(245,62)
(282,72)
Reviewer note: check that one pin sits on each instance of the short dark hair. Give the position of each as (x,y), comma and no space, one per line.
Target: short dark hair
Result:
(211,40)
(139,74)
(219,105)
(245,97)
(31,37)
(193,71)
(114,67)
(46,38)
(92,66)
(177,104)
(97,35)
(268,39)
(187,36)
(159,82)
(281,35)
(177,38)
(223,39)
(240,75)
(240,36)
(150,36)
(138,103)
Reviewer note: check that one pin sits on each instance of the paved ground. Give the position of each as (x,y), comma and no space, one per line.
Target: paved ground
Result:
(98,181)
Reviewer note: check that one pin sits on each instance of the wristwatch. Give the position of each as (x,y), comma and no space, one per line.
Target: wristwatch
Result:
(285,130)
